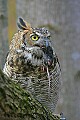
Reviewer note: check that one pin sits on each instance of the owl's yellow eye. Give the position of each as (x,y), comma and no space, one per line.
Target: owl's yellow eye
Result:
(34,37)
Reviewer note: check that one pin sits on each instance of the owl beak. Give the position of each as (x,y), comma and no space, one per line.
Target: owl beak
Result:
(46,42)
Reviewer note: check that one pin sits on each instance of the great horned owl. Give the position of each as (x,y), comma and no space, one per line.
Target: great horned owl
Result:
(33,63)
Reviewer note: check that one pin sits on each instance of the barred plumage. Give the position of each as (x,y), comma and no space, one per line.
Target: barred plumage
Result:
(33,63)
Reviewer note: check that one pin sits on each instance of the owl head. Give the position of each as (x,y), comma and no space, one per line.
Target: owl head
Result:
(37,37)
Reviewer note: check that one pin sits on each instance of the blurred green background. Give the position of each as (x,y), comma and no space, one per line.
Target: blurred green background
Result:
(62,18)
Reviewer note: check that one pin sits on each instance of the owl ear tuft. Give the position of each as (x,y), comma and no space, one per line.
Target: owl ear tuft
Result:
(21,27)
(21,24)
